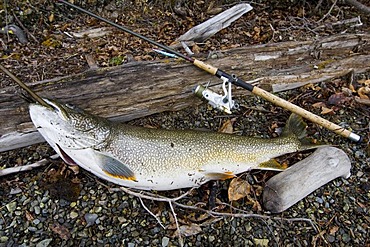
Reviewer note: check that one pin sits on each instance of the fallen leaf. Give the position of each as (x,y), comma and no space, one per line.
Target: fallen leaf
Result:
(190,230)
(62,231)
(29,216)
(325,110)
(227,127)
(238,189)
(337,99)
(363,91)
(318,105)
(333,230)
(364,82)
(362,101)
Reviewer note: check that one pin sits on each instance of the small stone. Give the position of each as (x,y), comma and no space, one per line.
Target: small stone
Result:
(319,200)
(37,210)
(211,238)
(15,191)
(73,204)
(165,241)
(346,238)
(330,238)
(130,244)
(36,221)
(3,239)
(44,243)
(98,209)
(32,229)
(73,215)
(11,206)
(90,219)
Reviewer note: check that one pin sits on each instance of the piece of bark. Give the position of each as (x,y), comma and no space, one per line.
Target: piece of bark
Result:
(138,89)
(292,185)
(208,28)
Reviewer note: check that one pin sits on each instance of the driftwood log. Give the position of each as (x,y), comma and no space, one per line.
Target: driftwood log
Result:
(139,89)
(292,185)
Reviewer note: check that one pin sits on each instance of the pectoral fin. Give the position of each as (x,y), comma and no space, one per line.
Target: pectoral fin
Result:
(115,168)
(271,164)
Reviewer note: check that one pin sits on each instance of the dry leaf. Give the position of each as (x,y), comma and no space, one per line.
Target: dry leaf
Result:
(319,105)
(62,231)
(337,99)
(227,127)
(364,82)
(190,230)
(363,91)
(333,230)
(325,110)
(29,216)
(362,101)
(238,189)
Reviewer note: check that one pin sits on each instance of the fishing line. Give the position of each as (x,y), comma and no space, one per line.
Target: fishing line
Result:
(233,80)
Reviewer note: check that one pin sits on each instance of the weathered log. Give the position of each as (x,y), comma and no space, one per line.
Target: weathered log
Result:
(292,185)
(139,89)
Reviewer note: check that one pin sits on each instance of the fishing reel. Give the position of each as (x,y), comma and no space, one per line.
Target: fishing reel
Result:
(222,102)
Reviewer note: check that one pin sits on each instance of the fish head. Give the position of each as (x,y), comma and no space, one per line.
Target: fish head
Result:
(66,126)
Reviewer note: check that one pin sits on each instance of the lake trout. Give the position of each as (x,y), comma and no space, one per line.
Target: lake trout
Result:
(157,159)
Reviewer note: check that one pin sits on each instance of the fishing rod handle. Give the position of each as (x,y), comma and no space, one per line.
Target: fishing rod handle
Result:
(206,67)
(306,114)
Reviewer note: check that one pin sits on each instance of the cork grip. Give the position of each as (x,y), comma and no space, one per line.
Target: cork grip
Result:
(305,114)
(210,69)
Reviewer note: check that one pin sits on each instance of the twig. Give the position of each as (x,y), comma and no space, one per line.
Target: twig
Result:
(327,14)
(24,28)
(241,214)
(29,167)
(181,241)
(151,213)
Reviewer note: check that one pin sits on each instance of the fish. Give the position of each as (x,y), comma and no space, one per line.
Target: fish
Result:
(158,159)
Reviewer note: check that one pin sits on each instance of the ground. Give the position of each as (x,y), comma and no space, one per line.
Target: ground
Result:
(52,206)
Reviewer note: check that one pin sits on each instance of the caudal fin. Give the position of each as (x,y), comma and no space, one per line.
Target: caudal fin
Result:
(297,127)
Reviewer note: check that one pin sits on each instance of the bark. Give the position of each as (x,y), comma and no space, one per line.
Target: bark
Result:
(139,89)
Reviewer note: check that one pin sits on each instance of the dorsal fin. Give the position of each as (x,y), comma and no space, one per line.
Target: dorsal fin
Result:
(297,127)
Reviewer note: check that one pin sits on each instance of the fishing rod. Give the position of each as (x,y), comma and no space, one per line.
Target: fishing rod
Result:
(33,95)
(232,79)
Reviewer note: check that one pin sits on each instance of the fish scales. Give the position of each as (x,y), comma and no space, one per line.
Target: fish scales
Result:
(156,159)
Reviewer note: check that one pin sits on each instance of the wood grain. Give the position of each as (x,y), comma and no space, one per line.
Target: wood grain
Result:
(292,185)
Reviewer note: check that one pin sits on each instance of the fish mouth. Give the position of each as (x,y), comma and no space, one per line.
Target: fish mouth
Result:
(66,157)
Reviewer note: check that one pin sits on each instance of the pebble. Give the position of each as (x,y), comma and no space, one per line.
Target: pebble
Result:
(15,191)
(90,219)
(73,215)
(36,221)
(37,210)
(165,241)
(4,239)
(11,206)
(44,243)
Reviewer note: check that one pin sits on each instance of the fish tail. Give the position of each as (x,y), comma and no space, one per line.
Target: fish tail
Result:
(296,126)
